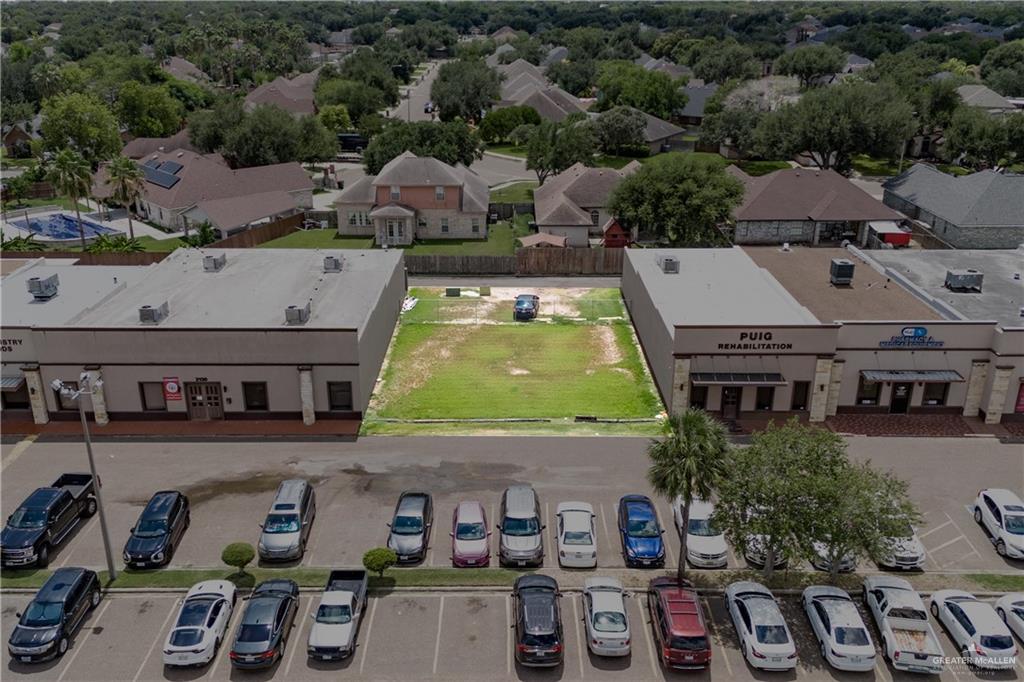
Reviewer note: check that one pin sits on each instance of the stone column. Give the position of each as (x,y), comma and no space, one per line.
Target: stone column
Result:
(98,398)
(820,389)
(680,385)
(834,383)
(975,387)
(306,395)
(997,396)
(36,394)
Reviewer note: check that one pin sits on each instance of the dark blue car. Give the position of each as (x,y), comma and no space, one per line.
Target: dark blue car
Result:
(159,530)
(640,531)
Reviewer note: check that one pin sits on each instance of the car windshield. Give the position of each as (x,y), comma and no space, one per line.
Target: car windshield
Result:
(524,303)
(40,614)
(642,528)
(407,525)
(702,527)
(470,531)
(851,636)
(27,518)
(1015,524)
(151,528)
(194,612)
(689,643)
(253,633)
(771,634)
(281,523)
(578,537)
(609,621)
(996,642)
(186,637)
(334,614)
(548,640)
(514,526)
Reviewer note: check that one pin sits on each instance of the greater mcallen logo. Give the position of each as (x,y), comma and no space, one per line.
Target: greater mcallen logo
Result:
(912,337)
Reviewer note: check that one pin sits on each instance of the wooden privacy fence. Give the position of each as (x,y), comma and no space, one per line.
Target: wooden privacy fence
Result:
(553,261)
(506,211)
(258,235)
(460,265)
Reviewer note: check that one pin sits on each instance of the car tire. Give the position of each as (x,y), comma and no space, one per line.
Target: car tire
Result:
(1001,548)
(935,610)
(94,599)
(43,558)
(62,646)
(90,507)
(824,652)
(885,650)
(965,653)
(977,515)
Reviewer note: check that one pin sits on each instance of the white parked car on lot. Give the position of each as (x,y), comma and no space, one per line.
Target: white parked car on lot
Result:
(1010,608)
(705,544)
(201,623)
(1001,512)
(605,614)
(820,559)
(764,637)
(979,634)
(577,540)
(906,551)
(839,629)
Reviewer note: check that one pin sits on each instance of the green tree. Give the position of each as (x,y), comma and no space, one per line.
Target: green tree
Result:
(238,555)
(577,78)
(527,49)
(148,110)
(83,123)
(204,235)
(70,175)
(1002,69)
(265,136)
(619,129)
(364,67)
(627,84)
(464,89)
(686,464)
(358,99)
(316,142)
(728,60)
(379,559)
(452,142)
(981,138)
(24,243)
(871,40)
(15,189)
(498,124)
(335,118)
(679,198)
(810,63)
(554,147)
(128,182)
(115,244)
(208,129)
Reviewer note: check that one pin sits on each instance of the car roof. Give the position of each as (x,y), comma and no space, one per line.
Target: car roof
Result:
(607,600)
(520,499)
(261,610)
(575,519)
(412,503)
(57,587)
(982,615)
(469,512)
(41,498)
(536,581)
(160,504)
(277,585)
(763,608)
(842,612)
(701,509)
(289,494)
(638,507)
(1004,498)
(682,609)
(538,611)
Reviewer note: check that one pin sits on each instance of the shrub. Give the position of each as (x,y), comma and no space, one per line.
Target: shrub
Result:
(238,555)
(379,559)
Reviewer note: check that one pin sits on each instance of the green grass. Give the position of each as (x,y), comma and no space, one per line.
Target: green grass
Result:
(501,241)
(872,167)
(160,245)
(761,167)
(518,193)
(62,202)
(999,583)
(953,169)
(508,150)
(318,239)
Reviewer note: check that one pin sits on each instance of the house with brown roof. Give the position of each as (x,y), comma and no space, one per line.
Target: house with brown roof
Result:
(183,189)
(574,203)
(142,147)
(503,35)
(804,205)
(415,197)
(524,84)
(294,95)
(183,69)
(982,97)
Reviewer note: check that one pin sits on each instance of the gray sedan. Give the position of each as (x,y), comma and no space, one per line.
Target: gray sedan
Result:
(410,526)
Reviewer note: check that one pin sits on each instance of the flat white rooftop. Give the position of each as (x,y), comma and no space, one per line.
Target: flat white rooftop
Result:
(716,287)
(252,290)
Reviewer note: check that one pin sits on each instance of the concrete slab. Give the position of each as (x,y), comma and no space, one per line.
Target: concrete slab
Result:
(474,637)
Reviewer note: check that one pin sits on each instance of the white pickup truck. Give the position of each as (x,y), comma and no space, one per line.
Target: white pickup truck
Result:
(336,621)
(908,640)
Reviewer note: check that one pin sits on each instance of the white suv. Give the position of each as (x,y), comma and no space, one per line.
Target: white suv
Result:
(1001,513)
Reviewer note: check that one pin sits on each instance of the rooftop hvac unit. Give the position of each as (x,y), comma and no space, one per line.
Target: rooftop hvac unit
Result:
(214,263)
(841,271)
(332,263)
(964,280)
(669,264)
(154,315)
(43,288)
(294,315)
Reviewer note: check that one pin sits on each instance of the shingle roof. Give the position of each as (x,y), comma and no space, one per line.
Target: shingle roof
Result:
(241,210)
(567,198)
(806,194)
(697,99)
(558,53)
(184,69)
(144,146)
(983,199)
(342,37)
(552,103)
(494,59)
(658,129)
(294,95)
(361,191)
(983,97)
(409,170)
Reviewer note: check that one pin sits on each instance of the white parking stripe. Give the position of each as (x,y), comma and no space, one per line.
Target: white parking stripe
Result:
(665,540)
(960,530)
(946,544)
(579,640)
(553,544)
(440,629)
(508,637)
(714,633)
(366,640)
(16,451)
(956,561)
(80,641)
(159,637)
(292,646)
(645,627)
(69,549)
(604,524)
(236,616)
(925,534)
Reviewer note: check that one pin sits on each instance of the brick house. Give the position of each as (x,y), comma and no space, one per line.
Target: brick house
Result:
(573,204)
(415,198)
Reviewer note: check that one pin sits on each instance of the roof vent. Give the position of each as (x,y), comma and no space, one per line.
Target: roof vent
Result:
(964,280)
(214,263)
(43,289)
(669,265)
(332,263)
(294,315)
(841,272)
(785,246)
(181,154)
(150,315)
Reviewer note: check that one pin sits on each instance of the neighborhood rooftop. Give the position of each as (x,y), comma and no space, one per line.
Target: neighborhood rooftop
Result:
(982,199)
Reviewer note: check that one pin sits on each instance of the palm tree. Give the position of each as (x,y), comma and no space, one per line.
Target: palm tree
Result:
(688,462)
(125,176)
(71,175)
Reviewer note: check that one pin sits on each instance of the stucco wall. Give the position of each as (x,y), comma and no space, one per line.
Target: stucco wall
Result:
(655,336)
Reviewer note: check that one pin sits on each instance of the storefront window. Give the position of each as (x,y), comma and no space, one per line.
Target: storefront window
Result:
(255,394)
(801,389)
(934,394)
(152,393)
(699,397)
(765,398)
(868,392)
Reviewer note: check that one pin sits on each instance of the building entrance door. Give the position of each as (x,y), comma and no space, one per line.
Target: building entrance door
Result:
(204,401)
(731,396)
(900,402)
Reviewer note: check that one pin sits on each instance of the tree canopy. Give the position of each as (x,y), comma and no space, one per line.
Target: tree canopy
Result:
(451,142)
(463,89)
(553,147)
(620,129)
(83,123)
(810,63)
(1003,69)
(498,124)
(627,84)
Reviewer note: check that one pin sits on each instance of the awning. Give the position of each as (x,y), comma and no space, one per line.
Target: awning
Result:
(12,381)
(928,376)
(737,379)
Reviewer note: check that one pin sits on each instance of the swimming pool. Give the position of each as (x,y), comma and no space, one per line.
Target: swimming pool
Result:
(61,226)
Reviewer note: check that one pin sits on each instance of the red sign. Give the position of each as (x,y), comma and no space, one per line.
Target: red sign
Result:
(172,388)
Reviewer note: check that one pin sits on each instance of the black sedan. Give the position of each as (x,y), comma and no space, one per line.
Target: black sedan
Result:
(266,624)
(159,530)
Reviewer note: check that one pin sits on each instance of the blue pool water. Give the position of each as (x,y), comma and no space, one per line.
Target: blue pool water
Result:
(61,226)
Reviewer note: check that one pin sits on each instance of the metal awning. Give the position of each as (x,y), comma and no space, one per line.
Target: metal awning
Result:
(11,381)
(928,376)
(737,379)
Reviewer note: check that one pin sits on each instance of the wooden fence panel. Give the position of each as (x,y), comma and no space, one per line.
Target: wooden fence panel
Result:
(460,265)
(258,235)
(569,261)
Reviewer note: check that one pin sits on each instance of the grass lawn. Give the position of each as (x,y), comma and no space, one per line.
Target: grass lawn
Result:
(157,245)
(318,239)
(63,202)
(508,150)
(761,167)
(501,241)
(953,169)
(517,193)
(872,167)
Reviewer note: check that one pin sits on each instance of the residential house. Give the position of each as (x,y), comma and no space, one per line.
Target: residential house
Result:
(915,32)
(827,34)
(393,32)
(183,69)
(525,84)
(294,95)
(574,203)
(341,40)
(659,135)
(804,205)
(504,35)
(494,59)
(556,55)
(982,97)
(976,28)
(415,198)
(803,31)
(183,189)
(671,69)
(697,97)
(615,236)
(983,210)
(142,147)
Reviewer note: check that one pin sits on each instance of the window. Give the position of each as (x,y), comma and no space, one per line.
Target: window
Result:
(15,400)
(358,218)
(765,397)
(595,216)
(254,394)
(439,193)
(699,397)
(801,389)
(64,402)
(868,392)
(422,223)
(339,395)
(152,393)
(444,226)
(396,193)
(935,394)
(475,225)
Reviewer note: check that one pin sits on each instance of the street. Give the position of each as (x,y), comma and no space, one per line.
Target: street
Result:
(415,96)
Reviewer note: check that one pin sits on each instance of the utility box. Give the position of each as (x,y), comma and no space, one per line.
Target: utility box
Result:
(964,281)
(840,272)
(453,292)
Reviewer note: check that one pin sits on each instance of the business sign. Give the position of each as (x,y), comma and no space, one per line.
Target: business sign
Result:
(8,345)
(755,340)
(172,388)
(912,337)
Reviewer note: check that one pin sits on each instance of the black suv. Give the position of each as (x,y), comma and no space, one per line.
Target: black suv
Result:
(53,617)
(526,307)
(160,528)
(538,621)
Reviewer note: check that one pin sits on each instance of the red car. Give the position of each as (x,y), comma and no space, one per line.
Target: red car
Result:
(471,541)
(680,635)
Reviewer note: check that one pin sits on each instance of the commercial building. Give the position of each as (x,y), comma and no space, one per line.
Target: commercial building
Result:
(203,335)
(764,330)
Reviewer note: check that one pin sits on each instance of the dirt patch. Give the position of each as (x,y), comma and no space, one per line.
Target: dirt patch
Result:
(445,477)
(475,605)
(518,371)
(608,345)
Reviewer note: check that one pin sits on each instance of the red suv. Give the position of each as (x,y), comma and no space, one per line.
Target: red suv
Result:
(678,621)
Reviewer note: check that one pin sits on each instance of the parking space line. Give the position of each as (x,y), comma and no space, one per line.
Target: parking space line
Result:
(236,616)
(925,534)
(579,640)
(645,628)
(553,544)
(883,672)
(366,639)
(159,636)
(292,646)
(669,552)
(80,642)
(956,561)
(946,544)
(508,637)
(69,549)
(714,633)
(960,530)
(440,629)
(16,451)
(604,524)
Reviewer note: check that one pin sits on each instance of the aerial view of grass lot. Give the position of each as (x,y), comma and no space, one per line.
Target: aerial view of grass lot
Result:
(465,358)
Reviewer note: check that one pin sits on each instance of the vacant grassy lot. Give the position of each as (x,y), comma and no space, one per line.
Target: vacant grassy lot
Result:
(317,239)
(516,193)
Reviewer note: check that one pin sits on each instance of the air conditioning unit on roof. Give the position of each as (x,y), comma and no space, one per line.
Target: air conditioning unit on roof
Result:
(967,280)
